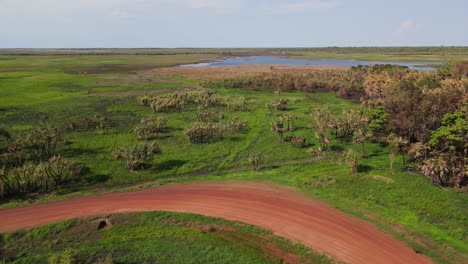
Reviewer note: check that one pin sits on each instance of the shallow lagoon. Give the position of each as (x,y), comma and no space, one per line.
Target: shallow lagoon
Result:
(236,61)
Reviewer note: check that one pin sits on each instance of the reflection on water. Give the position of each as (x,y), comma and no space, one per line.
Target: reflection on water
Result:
(304,62)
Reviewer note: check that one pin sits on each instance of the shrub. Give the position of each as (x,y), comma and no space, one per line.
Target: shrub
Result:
(136,156)
(278,127)
(235,125)
(150,127)
(209,116)
(96,121)
(299,141)
(205,99)
(41,177)
(280,104)
(40,144)
(236,103)
(205,133)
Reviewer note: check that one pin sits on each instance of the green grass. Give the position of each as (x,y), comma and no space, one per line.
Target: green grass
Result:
(155,237)
(429,54)
(47,88)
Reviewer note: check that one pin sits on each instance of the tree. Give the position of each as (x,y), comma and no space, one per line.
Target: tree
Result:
(322,123)
(378,120)
(398,145)
(254,160)
(446,165)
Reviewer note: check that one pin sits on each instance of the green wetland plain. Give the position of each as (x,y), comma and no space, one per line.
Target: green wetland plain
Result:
(383,143)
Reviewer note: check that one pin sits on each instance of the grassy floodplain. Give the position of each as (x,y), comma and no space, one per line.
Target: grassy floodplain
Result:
(52,87)
(429,54)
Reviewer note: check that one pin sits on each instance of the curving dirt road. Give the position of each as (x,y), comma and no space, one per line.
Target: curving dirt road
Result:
(285,212)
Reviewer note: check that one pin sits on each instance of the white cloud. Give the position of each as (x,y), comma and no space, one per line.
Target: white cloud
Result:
(304,6)
(121,14)
(407,26)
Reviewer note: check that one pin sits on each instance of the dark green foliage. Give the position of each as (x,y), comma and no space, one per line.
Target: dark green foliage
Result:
(452,135)
(377,123)
(445,159)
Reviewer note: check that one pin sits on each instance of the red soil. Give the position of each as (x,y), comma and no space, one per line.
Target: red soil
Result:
(285,212)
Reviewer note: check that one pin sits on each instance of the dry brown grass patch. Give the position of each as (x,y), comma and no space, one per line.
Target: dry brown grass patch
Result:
(226,72)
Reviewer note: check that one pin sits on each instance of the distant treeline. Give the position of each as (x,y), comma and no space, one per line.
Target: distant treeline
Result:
(441,50)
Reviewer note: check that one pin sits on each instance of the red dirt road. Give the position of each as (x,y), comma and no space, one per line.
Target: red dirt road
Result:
(285,212)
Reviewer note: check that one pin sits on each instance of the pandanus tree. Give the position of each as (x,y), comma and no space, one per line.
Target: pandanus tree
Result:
(278,127)
(398,145)
(322,123)
(254,160)
(137,156)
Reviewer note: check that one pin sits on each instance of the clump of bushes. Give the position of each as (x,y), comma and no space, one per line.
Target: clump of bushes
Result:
(209,132)
(236,103)
(205,133)
(284,124)
(97,121)
(277,104)
(41,177)
(278,127)
(150,127)
(235,125)
(136,156)
(39,144)
(299,141)
(176,102)
(289,120)
(209,116)
(205,99)
(33,164)
(168,103)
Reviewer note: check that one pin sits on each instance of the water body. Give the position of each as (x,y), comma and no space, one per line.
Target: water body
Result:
(304,62)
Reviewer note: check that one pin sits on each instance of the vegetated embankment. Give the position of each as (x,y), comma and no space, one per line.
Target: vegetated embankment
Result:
(286,213)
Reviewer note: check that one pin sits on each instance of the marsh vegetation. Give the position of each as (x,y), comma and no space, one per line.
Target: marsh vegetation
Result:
(382,141)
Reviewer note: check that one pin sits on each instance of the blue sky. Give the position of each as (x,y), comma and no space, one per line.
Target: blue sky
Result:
(231,23)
